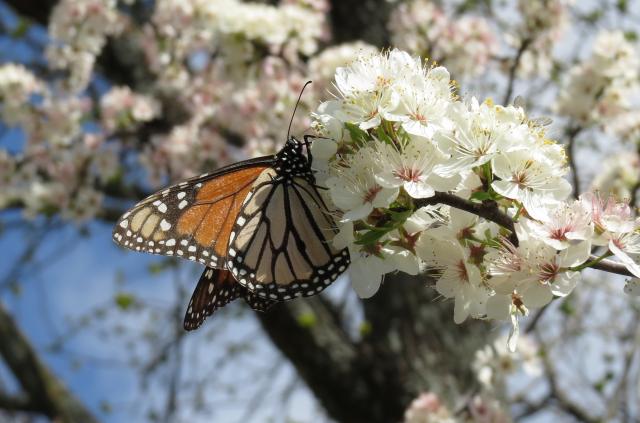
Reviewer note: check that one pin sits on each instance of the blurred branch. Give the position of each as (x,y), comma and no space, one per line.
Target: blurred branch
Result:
(633,200)
(524,45)
(572,134)
(530,408)
(326,359)
(45,392)
(17,403)
(36,10)
(364,20)
(616,401)
(561,399)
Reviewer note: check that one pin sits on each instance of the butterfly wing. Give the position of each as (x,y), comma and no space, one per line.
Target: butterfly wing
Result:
(281,245)
(192,219)
(216,288)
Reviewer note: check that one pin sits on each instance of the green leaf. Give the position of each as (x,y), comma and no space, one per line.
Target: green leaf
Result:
(481,196)
(307,320)
(400,216)
(372,236)
(622,6)
(567,308)
(365,328)
(124,300)
(21,29)
(357,135)
(160,266)
(381,134)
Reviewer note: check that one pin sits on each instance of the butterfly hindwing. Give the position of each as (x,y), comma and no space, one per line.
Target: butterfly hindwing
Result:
(191,219)
(256,302)
(217,288)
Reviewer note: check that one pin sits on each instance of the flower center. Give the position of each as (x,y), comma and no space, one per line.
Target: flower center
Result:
(419,117)
(408,174)
(618,243)
(462,271)
(548,272)
(520,178)
(370,195)
(559,234)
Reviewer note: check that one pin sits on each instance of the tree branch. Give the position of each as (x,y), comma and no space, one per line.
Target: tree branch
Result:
(17,403)
(490,211)
(37,10)
(611,267)
(572,133)
(46,393)
(524,45)
(564,402)
(306,333)
(487,209)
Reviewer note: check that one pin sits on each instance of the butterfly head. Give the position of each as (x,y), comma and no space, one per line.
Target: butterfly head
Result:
(291,160)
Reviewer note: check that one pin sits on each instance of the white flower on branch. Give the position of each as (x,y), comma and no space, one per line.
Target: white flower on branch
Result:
(458,278)
(410,166)
(355,189)
(529,181)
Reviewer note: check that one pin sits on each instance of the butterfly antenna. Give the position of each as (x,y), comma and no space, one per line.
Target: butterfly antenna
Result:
(296,108)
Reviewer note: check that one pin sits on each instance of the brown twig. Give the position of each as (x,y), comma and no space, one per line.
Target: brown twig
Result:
(487,209)
(633,200)
(572,133)
(524,45)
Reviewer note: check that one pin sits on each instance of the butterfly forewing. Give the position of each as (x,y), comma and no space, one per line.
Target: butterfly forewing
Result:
(216,288)
(192,219)
(281,244)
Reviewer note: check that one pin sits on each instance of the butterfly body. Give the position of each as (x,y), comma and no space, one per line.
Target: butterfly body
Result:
(261,224)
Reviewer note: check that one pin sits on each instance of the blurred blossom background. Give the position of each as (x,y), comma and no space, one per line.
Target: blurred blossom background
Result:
(104,101)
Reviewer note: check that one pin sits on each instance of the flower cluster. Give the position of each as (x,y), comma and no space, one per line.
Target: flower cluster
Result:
(187,32)
(473,192)
(79,30)
(210,72)
(322,67)
(599,87)
(494,363)
(543,24)
(465,45)
(123,109)
(428,408)
(618,175)
(17,85)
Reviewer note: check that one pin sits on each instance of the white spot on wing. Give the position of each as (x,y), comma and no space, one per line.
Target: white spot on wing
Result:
(165,226)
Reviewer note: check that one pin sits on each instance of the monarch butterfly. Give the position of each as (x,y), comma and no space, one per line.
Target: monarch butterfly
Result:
(260,226)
